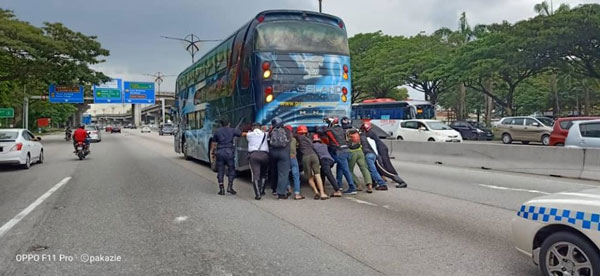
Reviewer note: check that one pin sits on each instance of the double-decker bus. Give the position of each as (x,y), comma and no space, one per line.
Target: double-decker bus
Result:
(289,64)
(389,113)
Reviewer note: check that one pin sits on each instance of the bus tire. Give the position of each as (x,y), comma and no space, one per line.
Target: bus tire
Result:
(431,139)
(400,138)
(184,150)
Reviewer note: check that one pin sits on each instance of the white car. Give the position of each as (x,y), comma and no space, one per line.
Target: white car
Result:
(145,129)
(427,130)
(20,147)
(561,232)
(94,133)
(584,134)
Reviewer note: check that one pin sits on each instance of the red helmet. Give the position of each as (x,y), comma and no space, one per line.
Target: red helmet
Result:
(302,129)
(289,127)
(366,126)
(316,138)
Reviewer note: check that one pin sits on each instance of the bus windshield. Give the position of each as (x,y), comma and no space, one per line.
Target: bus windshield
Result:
(301,37)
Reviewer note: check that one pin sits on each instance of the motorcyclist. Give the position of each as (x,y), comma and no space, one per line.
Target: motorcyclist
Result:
(81,135)
(67,133)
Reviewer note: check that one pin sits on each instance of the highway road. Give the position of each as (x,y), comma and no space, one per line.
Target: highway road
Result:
(154,213)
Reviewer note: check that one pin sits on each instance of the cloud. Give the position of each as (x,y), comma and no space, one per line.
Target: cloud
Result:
(131,29)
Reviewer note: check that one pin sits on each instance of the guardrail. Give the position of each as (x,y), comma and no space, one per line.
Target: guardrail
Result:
(553,161)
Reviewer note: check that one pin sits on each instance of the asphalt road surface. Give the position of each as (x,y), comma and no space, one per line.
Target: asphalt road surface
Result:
(135,207)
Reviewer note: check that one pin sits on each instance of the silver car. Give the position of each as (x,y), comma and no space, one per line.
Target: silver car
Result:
(584,134)
(94,133)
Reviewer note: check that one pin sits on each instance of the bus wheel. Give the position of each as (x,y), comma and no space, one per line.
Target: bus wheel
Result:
(184,150)
(213,159)
(399,138)
(431,140)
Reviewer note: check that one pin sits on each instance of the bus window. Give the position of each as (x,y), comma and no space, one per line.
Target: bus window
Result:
(301,37)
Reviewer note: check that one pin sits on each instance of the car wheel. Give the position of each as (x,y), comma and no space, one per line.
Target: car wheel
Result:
(546,140)
(565,253)
(399,138)
(525,142)
(506,138)
(41,159)
(27,164)
(431,140)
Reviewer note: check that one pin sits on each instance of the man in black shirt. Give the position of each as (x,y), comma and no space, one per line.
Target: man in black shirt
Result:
(225,155)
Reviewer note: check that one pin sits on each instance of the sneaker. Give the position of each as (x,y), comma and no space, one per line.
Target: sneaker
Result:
(401,185)
(350,192)
(381,188)
(279,197)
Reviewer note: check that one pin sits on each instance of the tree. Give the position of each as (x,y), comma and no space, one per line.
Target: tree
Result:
(31,58)
(367,79)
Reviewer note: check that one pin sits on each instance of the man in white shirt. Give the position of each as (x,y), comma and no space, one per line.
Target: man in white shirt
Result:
(258,152)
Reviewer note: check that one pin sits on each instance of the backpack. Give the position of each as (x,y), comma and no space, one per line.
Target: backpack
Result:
(354,139)
(279,138)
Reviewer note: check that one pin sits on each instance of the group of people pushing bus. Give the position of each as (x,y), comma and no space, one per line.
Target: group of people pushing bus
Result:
(275,155)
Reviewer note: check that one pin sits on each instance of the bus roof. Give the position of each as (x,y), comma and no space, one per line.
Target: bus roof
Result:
(390,102)
(271,15)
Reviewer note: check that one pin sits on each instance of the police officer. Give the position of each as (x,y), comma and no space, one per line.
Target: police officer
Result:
(225,155)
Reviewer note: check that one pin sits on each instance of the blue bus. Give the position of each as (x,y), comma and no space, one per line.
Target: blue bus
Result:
(289,64)
(389,113)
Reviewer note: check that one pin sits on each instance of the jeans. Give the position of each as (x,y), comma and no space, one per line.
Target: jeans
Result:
(326,165)
(295,174)
(371,158)
(343,169)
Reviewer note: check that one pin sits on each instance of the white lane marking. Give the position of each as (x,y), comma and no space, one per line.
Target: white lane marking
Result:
(513,189)
(11,223)
(361,201)
(180,219)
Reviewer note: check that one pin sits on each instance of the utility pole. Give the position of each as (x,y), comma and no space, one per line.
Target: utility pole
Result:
(320,6)
(192,43)
(158,79)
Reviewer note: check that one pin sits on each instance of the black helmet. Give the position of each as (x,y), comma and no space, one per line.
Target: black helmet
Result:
(81,126)
(277,122)
(346,122)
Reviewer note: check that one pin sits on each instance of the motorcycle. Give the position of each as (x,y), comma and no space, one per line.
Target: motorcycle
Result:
(81,150)
(68,136)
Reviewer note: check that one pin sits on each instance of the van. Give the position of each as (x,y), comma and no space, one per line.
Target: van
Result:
(525,129)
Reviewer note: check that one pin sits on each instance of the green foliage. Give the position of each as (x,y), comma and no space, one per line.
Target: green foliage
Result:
(546,63)
(33,57)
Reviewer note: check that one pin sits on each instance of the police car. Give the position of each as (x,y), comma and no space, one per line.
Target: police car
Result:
(561,232)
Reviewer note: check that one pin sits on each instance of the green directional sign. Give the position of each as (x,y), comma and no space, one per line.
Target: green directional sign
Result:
(7,112)
(107,93)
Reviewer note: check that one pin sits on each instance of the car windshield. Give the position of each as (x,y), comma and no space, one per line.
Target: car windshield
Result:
(8,135)
(438,126)
(546,121)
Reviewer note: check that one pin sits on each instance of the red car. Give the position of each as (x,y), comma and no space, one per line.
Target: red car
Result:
(561,129)
(108,129)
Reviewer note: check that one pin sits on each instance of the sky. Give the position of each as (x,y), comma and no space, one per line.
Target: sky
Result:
(131,29)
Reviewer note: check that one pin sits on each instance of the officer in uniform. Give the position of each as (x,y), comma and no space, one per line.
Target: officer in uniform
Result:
(225,155)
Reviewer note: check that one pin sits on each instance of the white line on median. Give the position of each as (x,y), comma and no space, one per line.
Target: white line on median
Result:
(32,206)
(513,189)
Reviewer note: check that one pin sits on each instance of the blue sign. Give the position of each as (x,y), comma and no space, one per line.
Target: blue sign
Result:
(65,94)
(139,92)
(87,119)
(109,92)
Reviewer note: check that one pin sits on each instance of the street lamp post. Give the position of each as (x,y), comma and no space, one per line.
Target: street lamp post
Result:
(320,7)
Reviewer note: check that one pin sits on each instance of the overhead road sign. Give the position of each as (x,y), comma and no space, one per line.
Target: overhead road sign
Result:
(109,92)
(65,93)
(139,92)
(8,112)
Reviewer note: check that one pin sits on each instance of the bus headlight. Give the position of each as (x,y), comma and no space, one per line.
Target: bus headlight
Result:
(269,98)
(344,98)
